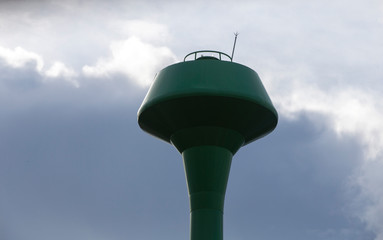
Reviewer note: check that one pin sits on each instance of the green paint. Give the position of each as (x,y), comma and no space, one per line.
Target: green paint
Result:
(207,171)
(207,109)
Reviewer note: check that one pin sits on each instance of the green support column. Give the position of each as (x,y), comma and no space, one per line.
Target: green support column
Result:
(207,171)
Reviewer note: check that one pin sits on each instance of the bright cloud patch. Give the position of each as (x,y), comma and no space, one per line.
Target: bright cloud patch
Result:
(19,57)
(350,111)
(59,70)
(147,31)
(133,58)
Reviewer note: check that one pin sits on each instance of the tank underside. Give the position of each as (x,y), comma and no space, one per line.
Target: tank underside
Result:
(248,118)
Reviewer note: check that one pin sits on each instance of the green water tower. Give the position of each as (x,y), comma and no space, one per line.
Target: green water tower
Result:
(207,107)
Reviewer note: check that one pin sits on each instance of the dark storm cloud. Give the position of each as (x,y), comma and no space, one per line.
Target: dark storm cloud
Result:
(76,155)
(295,179)
(24,79)
(78,160)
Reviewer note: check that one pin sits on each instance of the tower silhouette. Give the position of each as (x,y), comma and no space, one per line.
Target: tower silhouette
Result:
(207,108)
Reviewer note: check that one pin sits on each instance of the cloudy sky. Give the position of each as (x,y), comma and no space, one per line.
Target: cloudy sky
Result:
(75,165)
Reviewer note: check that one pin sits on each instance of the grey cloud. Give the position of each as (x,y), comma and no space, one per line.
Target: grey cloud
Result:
(96,167)
(295,179)
(24,79)
(79,161)
(75,165)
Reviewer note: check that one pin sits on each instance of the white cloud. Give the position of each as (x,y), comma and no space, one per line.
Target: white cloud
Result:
(145,30)
(133,58)
(59,70)
(349,111)
(19,57)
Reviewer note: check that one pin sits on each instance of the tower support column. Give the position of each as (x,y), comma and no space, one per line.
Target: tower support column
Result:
(207,171)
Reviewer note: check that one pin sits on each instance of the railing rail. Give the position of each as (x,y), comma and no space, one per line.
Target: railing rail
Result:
(208,51)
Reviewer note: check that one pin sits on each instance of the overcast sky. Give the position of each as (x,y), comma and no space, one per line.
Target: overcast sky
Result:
(75,165)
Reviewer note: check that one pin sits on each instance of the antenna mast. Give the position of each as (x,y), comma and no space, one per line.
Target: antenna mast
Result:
(235,41)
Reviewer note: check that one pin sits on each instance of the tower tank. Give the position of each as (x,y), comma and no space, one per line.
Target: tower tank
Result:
(207,107)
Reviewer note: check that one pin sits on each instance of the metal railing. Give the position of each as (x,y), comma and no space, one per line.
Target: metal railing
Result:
(208,51)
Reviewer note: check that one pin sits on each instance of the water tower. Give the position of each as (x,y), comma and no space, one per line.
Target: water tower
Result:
(207,107)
